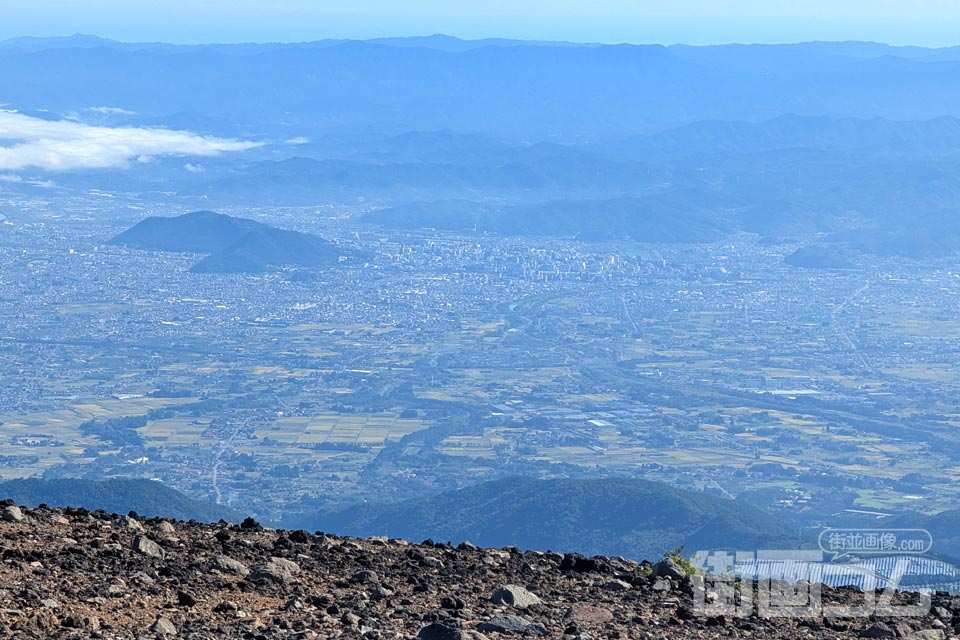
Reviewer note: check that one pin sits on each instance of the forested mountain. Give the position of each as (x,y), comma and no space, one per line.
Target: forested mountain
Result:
(120,495)
(629,517)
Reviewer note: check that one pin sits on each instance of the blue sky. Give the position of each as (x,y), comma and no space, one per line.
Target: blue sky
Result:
(922,22)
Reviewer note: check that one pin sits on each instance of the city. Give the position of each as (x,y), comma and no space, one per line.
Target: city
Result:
(447,358)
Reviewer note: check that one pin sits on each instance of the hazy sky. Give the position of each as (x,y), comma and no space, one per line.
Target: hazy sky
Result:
(924,22)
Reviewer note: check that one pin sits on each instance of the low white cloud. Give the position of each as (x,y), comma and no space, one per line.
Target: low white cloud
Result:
(193,168)
(13,178)
(298,140)
(65,145)
(112,111)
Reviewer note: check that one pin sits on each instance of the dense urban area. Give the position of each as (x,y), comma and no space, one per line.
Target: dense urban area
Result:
(440,359)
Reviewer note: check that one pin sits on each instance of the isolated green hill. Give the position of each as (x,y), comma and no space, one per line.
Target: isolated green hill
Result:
(260,249)
(196,232)
(234,245)
(118,495)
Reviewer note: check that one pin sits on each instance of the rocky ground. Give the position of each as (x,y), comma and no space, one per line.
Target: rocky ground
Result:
(70,573)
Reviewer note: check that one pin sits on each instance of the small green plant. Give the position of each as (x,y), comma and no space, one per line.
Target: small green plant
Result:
(677,556)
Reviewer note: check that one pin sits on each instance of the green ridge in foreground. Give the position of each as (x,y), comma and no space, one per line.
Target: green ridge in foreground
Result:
(117,495)
(628,517)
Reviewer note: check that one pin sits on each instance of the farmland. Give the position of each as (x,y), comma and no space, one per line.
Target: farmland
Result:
(454,358)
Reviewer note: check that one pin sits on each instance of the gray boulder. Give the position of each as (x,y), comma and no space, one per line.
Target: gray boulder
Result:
(927,634)
(147,547)
(163,627)
(226,564)
(365,575)
(667,568)
(515,596)
(879,630)
(441,630)
(277,570)
(616,585)
(13,514)
(502,623)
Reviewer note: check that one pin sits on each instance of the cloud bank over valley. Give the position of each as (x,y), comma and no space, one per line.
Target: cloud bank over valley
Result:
(68,145)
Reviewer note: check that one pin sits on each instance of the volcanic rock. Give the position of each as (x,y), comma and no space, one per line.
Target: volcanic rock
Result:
(503,623)
(587,614)
(515,596)
(12,513)
(163,627)
(226,564)
(74,574)
(147,547)
(668,568)
(277,570)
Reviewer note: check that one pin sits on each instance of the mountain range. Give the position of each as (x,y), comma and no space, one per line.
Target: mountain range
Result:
(801,142)
(662,217)
(629,517)
(509,89)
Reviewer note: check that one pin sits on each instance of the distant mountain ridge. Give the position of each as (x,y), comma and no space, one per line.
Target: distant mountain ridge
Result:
(666,217)
(235,245)
(445,42)
(595,142)
(513,89)
(930,137)
(875,186)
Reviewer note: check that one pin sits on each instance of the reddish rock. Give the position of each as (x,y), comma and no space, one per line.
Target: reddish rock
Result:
(588,614)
